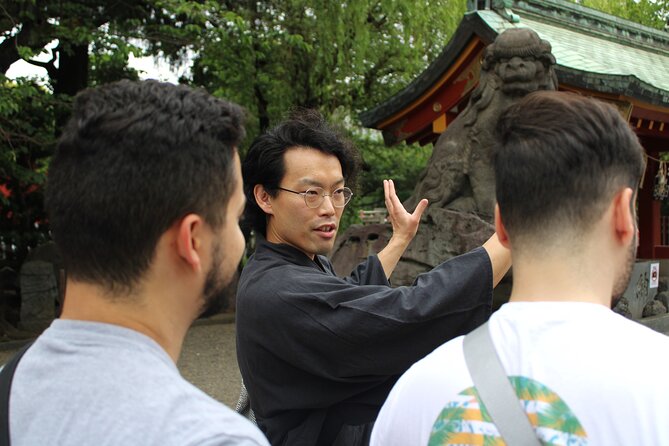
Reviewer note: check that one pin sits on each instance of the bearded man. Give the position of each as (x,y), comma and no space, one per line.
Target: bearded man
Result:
(144,198)
(567,172)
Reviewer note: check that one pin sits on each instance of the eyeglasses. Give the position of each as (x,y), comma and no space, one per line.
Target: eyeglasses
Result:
(314,196)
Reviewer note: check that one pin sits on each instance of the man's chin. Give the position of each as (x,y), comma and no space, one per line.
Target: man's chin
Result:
(324,247)
(326,250)
(216,303)
(218,294)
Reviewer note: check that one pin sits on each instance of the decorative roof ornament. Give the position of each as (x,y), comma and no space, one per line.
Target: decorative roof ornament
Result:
(661,188)
(503,8)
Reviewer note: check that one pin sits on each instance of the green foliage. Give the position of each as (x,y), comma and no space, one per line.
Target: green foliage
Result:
(94,41)
(109,60)
(339,57)
(271,56)
(27,128)
(653,13)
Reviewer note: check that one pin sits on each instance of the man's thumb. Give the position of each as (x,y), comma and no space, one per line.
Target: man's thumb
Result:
(420,208)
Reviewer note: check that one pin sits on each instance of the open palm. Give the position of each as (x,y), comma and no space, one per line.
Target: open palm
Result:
(405,225)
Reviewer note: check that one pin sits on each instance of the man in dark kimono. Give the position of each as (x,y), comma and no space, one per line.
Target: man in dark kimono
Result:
(318,353)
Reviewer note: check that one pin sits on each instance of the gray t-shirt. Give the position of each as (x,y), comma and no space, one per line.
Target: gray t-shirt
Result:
(88,383)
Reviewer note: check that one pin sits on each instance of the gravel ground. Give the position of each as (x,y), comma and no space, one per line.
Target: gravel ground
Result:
(208,359)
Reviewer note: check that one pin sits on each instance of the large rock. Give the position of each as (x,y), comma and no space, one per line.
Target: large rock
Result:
(443,234)
(654,308)
(663,297)
(623,308)
(39,293)
(356,244)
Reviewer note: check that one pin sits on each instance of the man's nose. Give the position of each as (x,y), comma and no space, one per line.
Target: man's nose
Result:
(327,206)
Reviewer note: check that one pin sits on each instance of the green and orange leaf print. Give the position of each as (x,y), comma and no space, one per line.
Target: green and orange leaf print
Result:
(465,420)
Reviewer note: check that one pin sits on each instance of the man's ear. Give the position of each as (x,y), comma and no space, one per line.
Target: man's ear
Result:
(623,216)
(190,240)
(502,235)
(263,199)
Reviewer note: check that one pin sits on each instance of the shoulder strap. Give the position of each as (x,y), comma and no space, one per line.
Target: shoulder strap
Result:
(6,376)
(496,391)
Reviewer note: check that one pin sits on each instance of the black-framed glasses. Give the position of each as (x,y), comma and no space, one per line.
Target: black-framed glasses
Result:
(314,196)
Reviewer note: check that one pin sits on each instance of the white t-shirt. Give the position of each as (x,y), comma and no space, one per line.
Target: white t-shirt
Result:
(586,376)
(87,383)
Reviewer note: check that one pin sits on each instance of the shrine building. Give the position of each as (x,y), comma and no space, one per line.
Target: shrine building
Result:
(597,54)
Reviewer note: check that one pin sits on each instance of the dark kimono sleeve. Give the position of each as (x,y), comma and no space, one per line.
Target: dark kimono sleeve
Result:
(330,327)
(369,272)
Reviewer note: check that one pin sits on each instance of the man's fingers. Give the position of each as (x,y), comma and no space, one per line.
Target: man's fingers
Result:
(393,196)
(387,195)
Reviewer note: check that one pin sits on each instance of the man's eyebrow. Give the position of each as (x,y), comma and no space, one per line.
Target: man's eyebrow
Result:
(312,182)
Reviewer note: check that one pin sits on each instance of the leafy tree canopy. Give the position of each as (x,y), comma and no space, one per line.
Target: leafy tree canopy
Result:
(653,13)
(271,56)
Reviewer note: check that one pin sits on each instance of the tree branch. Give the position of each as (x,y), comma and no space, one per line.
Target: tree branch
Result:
(31,35)
(49,66)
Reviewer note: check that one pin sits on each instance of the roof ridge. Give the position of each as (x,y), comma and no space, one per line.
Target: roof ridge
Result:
(597,22)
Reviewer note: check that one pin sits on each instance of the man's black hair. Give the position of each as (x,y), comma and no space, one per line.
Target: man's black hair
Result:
(264,162)
(561,158)
(134,158)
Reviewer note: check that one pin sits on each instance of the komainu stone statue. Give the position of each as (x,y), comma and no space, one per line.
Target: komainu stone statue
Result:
(459,175)
(459,180)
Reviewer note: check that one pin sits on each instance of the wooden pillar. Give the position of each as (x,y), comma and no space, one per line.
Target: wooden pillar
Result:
(649,212)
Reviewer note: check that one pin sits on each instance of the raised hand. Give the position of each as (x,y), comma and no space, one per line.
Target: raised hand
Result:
(405,225)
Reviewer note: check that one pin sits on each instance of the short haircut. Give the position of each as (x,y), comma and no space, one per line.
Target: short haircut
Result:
(560,159)
(134,158)
(264,162)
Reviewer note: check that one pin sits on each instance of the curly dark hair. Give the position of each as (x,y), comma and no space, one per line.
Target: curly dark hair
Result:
(133,159)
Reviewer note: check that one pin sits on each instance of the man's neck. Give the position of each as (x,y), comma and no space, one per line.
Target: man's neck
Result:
(89,302)
(561,279)
(273,238)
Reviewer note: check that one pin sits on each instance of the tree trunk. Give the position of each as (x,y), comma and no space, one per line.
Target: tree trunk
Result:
(72,75)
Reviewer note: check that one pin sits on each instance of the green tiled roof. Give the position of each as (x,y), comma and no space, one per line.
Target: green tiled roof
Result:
(583,51)
(594,51)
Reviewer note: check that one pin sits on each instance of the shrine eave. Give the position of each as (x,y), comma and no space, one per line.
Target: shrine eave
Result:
(597,54)
(470,27)
(632,86)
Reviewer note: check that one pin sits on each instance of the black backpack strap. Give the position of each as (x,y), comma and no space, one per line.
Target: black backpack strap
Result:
(6,377)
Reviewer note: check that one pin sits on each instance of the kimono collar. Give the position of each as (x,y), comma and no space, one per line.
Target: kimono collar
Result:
(288,253)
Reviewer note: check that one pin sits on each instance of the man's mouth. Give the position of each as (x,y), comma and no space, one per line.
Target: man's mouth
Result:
(326,228)
(327,231)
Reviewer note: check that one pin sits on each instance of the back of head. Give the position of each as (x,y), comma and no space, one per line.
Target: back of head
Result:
(560,160)
(264,162)
(134,158)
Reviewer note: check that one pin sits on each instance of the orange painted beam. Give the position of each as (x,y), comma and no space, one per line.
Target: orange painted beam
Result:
(471,52)
(440,102)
